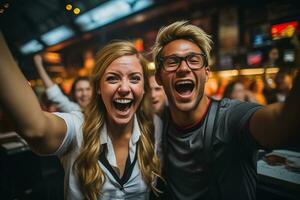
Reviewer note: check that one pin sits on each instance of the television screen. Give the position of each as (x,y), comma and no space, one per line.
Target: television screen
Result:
(289,56)
(254,58)
(284,30)
(258,40)
(225,61)
(260,35)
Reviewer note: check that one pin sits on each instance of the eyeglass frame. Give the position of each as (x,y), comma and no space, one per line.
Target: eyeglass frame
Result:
(161,59)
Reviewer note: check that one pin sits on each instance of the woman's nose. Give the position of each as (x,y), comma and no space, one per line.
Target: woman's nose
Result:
(124,88)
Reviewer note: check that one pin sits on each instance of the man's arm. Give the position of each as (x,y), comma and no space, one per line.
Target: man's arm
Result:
(277,125)
(43,131)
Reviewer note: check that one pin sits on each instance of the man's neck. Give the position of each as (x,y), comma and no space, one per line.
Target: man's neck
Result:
(192,117)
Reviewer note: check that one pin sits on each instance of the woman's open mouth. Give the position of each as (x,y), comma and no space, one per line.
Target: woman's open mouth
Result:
(122,104)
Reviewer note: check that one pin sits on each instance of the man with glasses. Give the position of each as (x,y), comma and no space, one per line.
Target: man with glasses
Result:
(209,147)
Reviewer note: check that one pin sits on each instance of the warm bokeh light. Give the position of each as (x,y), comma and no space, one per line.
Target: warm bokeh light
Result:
(69,7)
(52,57)
(83,72)
(76,11)
(244,72)
(66,85)
(58,80)
(151,66)
(89,60)
(139,44)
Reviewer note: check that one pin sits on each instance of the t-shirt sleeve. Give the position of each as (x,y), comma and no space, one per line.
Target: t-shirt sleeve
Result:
(239,116)
(74,122)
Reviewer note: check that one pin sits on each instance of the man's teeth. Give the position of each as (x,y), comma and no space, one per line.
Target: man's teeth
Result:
(184,82)
(123,101)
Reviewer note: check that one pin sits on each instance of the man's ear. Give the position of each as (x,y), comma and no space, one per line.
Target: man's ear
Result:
(207,72)
(158,78)
(98,92)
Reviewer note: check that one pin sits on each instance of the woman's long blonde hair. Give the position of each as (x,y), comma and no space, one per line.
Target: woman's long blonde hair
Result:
(86,166)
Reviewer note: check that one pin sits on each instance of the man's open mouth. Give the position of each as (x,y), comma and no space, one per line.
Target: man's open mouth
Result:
(122,104)
(184,87)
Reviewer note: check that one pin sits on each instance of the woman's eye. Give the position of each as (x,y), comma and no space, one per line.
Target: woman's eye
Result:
(111,79)
(135,78)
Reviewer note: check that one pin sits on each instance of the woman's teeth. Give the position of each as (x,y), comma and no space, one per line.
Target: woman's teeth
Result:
(122,104)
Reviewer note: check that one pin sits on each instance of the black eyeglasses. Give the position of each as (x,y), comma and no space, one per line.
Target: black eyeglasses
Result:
(193,60)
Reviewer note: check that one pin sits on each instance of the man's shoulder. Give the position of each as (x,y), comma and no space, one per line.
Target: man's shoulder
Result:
(234,115)
(234,112)
(232,104)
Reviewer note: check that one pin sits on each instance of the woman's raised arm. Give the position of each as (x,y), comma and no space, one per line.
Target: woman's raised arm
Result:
(38,61)
(43,131)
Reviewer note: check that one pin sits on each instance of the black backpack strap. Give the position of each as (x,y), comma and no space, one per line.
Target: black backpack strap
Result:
(209,135)
(209,128)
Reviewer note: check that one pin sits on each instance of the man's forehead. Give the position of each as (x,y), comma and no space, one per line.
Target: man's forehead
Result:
(180,47)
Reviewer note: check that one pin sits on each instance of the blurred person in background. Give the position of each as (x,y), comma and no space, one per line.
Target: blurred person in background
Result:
(272,57)
(80,94)
(158,96)
(107,151)
(236,90)
(81,91)
(282,80)
(257,88)
(283,84)
(159,102)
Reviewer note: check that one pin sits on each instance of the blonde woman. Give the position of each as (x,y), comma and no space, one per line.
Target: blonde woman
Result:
(107,152)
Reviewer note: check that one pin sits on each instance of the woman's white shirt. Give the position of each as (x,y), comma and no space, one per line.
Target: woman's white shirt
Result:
(134,188)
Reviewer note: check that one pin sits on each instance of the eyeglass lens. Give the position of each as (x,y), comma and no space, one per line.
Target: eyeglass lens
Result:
(194,61)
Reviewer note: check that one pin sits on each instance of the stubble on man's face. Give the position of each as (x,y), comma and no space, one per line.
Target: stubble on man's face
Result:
(187,98)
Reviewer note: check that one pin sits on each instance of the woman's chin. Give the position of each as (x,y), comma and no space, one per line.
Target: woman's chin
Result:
(121,121)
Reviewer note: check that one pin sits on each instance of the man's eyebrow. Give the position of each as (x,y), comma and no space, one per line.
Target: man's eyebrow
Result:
(177,55)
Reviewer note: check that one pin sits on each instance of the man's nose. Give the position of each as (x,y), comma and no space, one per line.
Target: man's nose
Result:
(183,67)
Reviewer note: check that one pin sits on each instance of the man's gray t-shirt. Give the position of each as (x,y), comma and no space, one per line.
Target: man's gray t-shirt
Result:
(234,167)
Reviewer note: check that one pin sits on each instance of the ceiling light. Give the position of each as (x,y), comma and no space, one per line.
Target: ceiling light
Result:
(32,46)
(68,7)
(109,12)
(57,35)
(76,11)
